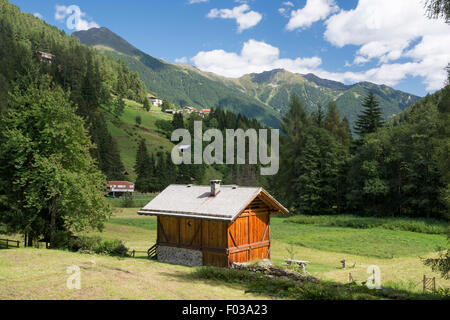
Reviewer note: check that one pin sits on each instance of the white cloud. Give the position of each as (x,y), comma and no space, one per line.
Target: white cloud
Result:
(385,30)
(282,11)
(255,57)
(74,18)
(38,15)
(182,60)
(288,4)
(313,11)
(197,1)
(245,18)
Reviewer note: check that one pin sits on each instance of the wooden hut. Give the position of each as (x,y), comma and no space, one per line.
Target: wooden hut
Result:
(212,225)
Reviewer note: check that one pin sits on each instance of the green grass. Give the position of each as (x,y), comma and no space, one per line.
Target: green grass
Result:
(378,243)
(430,226)
(34,274)
(147,224)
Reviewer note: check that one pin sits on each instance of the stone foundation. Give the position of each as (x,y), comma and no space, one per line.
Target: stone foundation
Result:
(174,255)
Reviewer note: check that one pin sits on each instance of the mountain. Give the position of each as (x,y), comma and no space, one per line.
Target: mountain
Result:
(264,96)
(276,87)
(183,86)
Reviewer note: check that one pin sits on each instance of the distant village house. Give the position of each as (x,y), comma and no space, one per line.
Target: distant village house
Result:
(45,57)
(119,188)
(156,102)
(188,110)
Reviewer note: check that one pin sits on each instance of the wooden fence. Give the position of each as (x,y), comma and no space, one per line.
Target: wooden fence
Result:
(9,243)
(429,284)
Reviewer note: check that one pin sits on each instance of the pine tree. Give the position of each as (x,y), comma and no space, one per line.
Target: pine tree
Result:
(178,122)
(334,124)
(146,105)
(143,168)
(319,116)
(138,121)
(294,125)
(165,105)
(119,106)
(371,118)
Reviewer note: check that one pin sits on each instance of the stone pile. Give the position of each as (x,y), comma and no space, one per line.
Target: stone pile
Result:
(266,268)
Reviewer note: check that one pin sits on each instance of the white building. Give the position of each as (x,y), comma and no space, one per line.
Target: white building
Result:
(156,102)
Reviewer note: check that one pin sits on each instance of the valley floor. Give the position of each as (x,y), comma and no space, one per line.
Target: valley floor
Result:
(41,274)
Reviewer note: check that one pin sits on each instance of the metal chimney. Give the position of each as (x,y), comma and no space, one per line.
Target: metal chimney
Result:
(215,187)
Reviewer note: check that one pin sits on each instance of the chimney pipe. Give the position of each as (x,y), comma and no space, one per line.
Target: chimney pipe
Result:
(215,187)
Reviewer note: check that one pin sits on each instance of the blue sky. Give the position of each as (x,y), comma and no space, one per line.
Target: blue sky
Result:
(382,41)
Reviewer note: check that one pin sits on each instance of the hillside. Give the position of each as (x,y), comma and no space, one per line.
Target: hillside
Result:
(181,86)
(276,87)
(128,135)
(263,96)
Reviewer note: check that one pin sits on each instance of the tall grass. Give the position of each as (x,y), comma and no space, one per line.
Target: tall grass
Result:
(429,226)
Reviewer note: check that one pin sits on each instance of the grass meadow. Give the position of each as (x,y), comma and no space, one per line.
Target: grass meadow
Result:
(41,274)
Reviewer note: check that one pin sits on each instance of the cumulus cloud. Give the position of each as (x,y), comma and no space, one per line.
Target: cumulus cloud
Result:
(38,15)
(245,18)
(255,57)
(387,31)
(313,11)
(74,17)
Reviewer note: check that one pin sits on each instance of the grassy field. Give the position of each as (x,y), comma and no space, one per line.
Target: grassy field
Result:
(40,274)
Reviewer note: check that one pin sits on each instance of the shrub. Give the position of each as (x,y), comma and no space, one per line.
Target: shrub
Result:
(62,239)
(99,246)
(111,247)
(84,243)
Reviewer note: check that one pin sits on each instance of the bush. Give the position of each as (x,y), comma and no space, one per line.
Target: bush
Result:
(84,243)
(62,239)
(111,247)
(97,245)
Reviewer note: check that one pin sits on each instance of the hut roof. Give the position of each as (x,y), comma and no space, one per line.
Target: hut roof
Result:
(189,201)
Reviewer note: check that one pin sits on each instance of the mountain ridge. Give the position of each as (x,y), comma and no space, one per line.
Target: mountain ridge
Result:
(264,96)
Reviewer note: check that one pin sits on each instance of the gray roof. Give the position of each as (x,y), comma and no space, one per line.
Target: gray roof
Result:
(189,201)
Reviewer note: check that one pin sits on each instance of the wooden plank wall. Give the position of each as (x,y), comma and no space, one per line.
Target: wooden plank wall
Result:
(249,235)
(208,236)
(214,242)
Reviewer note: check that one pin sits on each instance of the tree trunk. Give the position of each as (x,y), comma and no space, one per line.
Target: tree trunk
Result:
(52,223)
(30,241)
